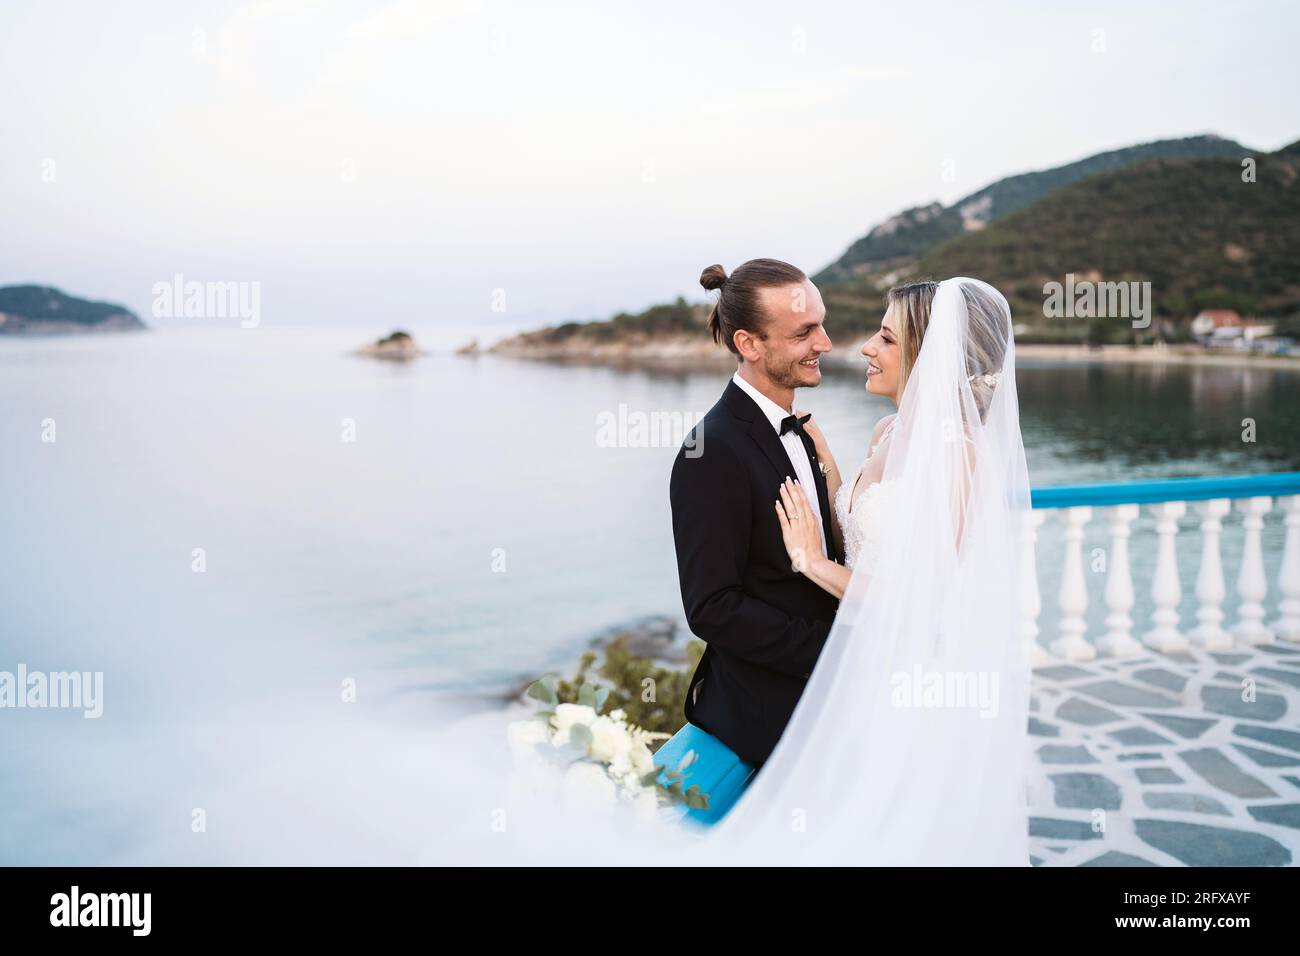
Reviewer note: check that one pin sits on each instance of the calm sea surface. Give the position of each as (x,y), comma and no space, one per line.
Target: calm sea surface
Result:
(480,525)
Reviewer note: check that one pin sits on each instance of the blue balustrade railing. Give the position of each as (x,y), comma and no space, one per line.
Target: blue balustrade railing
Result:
(1170,489)
(1265,611)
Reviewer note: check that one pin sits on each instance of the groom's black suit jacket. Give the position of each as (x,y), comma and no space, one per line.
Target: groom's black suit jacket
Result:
(764,623)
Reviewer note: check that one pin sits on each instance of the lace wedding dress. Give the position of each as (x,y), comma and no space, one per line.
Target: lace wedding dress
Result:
(861,520)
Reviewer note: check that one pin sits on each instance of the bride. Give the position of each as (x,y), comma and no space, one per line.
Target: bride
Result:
(909,743)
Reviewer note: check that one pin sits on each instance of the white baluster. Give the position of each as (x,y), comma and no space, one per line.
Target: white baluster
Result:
(1033,602)
(1209,632)
(1252,586)
(1287,624)
(1073,595)
(1118,641)
(1165,589)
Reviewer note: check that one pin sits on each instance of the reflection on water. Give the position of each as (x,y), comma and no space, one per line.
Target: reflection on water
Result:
(1116,422)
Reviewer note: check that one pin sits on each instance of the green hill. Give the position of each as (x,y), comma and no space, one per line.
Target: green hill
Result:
(35,309)
(914,232)
(1292,150)
(1191,227)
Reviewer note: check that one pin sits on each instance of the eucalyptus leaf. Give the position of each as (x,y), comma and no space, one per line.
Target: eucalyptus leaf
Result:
(544,690)
(587,696)
(689,758)
(580,736)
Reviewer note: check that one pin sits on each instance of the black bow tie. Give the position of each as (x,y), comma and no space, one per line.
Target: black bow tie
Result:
(792,423)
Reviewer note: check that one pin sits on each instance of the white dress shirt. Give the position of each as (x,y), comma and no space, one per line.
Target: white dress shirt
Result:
(803,468)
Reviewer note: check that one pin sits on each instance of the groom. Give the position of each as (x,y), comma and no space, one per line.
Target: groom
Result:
(763,622)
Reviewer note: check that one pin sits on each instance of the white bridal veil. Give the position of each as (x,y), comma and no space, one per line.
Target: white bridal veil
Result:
(908,746)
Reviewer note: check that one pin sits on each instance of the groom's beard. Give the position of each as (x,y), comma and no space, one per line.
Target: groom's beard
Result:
(790,374)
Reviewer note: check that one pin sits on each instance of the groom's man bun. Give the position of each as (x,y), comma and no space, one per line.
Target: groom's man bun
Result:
(739,306)
(713,277)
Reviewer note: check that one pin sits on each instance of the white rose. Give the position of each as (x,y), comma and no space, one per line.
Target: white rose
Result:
(617,714)
(609,740)
(566,715)
(620,766)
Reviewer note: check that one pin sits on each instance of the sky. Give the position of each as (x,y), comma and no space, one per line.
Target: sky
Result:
(460,161)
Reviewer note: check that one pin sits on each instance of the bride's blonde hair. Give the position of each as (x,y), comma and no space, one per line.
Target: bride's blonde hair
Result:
(911,304)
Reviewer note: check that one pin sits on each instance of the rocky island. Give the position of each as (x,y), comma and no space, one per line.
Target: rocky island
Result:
(395,347)
(675,333)
(42,310)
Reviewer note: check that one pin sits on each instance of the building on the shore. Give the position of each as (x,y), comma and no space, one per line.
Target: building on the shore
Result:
(1210,320)
(1225,328)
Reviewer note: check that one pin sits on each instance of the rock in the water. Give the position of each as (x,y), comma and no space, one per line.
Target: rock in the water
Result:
(399,346)
(653,637)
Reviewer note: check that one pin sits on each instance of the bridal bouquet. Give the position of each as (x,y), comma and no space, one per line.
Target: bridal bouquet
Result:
(607,758)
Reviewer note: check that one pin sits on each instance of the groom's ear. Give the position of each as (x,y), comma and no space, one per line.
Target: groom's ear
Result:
(746,343)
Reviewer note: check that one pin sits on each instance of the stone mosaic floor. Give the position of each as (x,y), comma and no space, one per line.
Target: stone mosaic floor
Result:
(1168,760)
